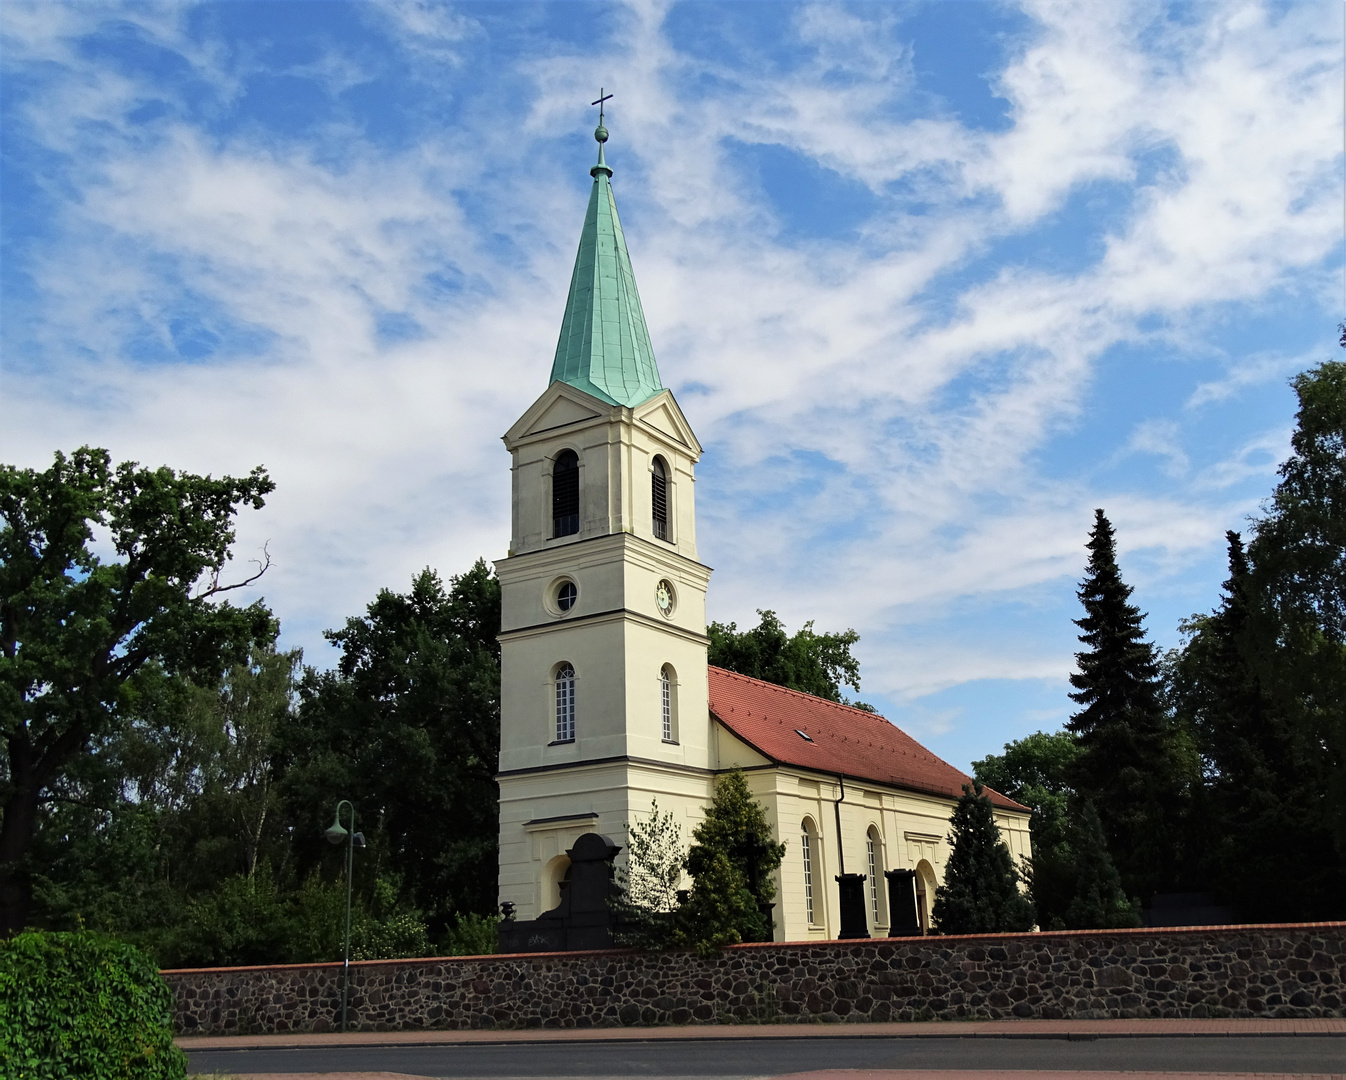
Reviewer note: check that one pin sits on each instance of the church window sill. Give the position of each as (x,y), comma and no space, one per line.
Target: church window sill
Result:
(561,742)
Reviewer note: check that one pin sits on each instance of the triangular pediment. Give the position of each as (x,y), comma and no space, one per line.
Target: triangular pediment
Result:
(661,412)
(560,405)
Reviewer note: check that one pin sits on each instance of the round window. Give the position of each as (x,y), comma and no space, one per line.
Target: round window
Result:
(565,595)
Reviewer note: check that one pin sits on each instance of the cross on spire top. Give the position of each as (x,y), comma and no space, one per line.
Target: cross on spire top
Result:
(602,97)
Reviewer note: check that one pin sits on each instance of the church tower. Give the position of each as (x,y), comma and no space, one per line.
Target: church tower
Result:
(604,703)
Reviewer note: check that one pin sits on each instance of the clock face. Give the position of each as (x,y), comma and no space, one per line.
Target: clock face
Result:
(663,596)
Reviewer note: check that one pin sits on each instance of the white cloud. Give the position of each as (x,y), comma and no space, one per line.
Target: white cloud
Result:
(877,424)
(1163,438)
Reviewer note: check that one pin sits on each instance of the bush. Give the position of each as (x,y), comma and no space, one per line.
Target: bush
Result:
(473,935)
(86,1005)
(646,904)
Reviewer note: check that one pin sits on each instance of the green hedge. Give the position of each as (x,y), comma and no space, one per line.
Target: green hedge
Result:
(84,1005)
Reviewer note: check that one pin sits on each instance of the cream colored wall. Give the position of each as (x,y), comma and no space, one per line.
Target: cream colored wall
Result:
(617,640)
(911,827)
(615,637)
(606,798)
(616,447)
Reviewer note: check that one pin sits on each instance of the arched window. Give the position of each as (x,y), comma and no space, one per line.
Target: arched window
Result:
(565,494)
(925,892)
(874,849)
(659,488)
(667,705)
(806,849)
(565,703)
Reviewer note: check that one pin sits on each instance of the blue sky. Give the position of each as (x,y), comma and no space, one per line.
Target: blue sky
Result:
(931,281)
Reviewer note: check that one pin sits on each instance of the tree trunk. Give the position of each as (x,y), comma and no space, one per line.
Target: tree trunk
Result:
(16,837)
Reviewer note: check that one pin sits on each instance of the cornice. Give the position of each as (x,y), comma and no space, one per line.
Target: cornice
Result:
(616,759)
(594,550)
(600,617)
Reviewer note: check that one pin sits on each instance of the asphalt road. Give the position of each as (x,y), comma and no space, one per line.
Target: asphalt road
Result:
(766,1057)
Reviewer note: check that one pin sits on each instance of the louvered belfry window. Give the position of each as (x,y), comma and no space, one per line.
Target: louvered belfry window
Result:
(660,492)
(565,494)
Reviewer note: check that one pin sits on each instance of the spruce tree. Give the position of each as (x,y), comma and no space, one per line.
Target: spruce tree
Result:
(1128,764)
(731,851)
(1099,903)
(980,894)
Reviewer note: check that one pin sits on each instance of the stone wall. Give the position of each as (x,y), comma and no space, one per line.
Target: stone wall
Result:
(1269,971)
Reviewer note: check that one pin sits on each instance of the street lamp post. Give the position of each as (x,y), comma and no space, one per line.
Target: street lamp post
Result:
(335,835)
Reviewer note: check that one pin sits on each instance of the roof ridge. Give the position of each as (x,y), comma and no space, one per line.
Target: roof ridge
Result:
(811,697)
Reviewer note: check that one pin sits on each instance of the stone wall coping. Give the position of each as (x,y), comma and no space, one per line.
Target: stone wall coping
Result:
(932,939)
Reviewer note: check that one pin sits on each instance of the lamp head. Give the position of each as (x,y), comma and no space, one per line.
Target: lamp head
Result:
(336,834)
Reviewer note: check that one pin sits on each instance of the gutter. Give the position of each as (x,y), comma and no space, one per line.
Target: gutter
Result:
(836,806)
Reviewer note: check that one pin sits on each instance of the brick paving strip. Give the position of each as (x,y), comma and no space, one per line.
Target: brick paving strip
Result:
(952,1074)
(995,1029)
(886,1074)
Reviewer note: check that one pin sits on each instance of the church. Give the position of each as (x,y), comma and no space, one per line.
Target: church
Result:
(608,702)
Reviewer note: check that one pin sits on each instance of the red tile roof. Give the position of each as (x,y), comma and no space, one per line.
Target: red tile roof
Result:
(857,744)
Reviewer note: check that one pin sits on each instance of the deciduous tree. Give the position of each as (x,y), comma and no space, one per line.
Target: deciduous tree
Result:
(408,728)
(1035,771)
(77,627)
(647,902)
(1262,681)
(1298,584)
(812,663)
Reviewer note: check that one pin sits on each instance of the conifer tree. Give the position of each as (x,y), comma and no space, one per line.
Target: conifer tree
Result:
(1034,771)
(980,894)
(1128,763)
(731,851)
(1099,903)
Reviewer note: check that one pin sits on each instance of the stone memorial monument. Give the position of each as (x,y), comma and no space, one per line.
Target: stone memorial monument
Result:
(904,918)
(582,920)
(851,888)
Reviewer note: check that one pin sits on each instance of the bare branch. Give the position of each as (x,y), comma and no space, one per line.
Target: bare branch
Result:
(263,565)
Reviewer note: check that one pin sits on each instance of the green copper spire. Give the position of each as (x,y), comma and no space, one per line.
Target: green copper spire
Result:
(604,348)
